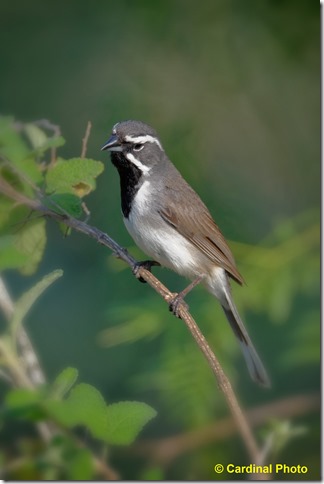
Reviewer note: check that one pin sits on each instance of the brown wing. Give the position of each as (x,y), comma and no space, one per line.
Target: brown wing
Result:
(199,227)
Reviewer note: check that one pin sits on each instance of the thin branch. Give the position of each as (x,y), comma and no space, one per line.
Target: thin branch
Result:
(85,140)
(104,239)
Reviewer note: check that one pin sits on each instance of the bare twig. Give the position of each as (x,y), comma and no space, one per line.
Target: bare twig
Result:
(104,239)
(85,140)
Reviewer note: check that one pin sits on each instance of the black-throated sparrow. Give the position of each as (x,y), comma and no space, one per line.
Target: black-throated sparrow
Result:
(170,223)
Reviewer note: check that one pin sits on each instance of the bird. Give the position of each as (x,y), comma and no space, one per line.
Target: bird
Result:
(170,223)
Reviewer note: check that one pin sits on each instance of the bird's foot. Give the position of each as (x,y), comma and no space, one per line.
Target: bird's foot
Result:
(176,303)
(147,264)
(178,299)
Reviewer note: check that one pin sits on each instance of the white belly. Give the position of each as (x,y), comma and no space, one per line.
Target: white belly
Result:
(158,239)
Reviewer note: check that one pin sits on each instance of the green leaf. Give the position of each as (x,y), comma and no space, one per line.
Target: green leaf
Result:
(21,397)
(26,301)
(40,140)
(10,256)
(152,474)
(35,134)
(126,420)
(64,382)
(29,173)
(80,466)
(89,407)
(63,458)
(31,241)
(26,249)
(5,209)
(55,142)
(64,203)
(84,406)
(24,403)
(119,423)
(76,176)
(12,146)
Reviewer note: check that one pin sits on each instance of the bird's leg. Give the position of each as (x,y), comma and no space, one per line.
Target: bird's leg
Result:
(147,264)
(178,299)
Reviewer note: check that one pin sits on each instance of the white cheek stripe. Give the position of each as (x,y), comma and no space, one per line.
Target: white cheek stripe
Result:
(143,139)
(114,148)
(132,159)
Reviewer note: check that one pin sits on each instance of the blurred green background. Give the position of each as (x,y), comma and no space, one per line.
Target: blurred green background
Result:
(233,90)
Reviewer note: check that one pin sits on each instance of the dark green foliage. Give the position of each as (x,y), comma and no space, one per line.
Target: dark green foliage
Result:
(117,424)
(60,186)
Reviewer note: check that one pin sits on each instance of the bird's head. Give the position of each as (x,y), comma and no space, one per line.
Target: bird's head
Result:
(134,142)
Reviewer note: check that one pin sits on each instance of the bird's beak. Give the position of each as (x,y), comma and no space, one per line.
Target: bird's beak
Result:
(112,144)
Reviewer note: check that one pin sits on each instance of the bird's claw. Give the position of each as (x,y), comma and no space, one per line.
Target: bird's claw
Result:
(175,305)
(147,264)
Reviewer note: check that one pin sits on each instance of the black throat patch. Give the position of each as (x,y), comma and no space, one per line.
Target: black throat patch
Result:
(129,176)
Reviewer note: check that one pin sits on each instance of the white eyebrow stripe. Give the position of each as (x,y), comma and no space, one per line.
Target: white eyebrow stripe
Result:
(139,164)
(114,130)
(143,139)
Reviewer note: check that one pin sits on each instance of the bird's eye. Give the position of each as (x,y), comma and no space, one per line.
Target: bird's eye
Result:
(138,147)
